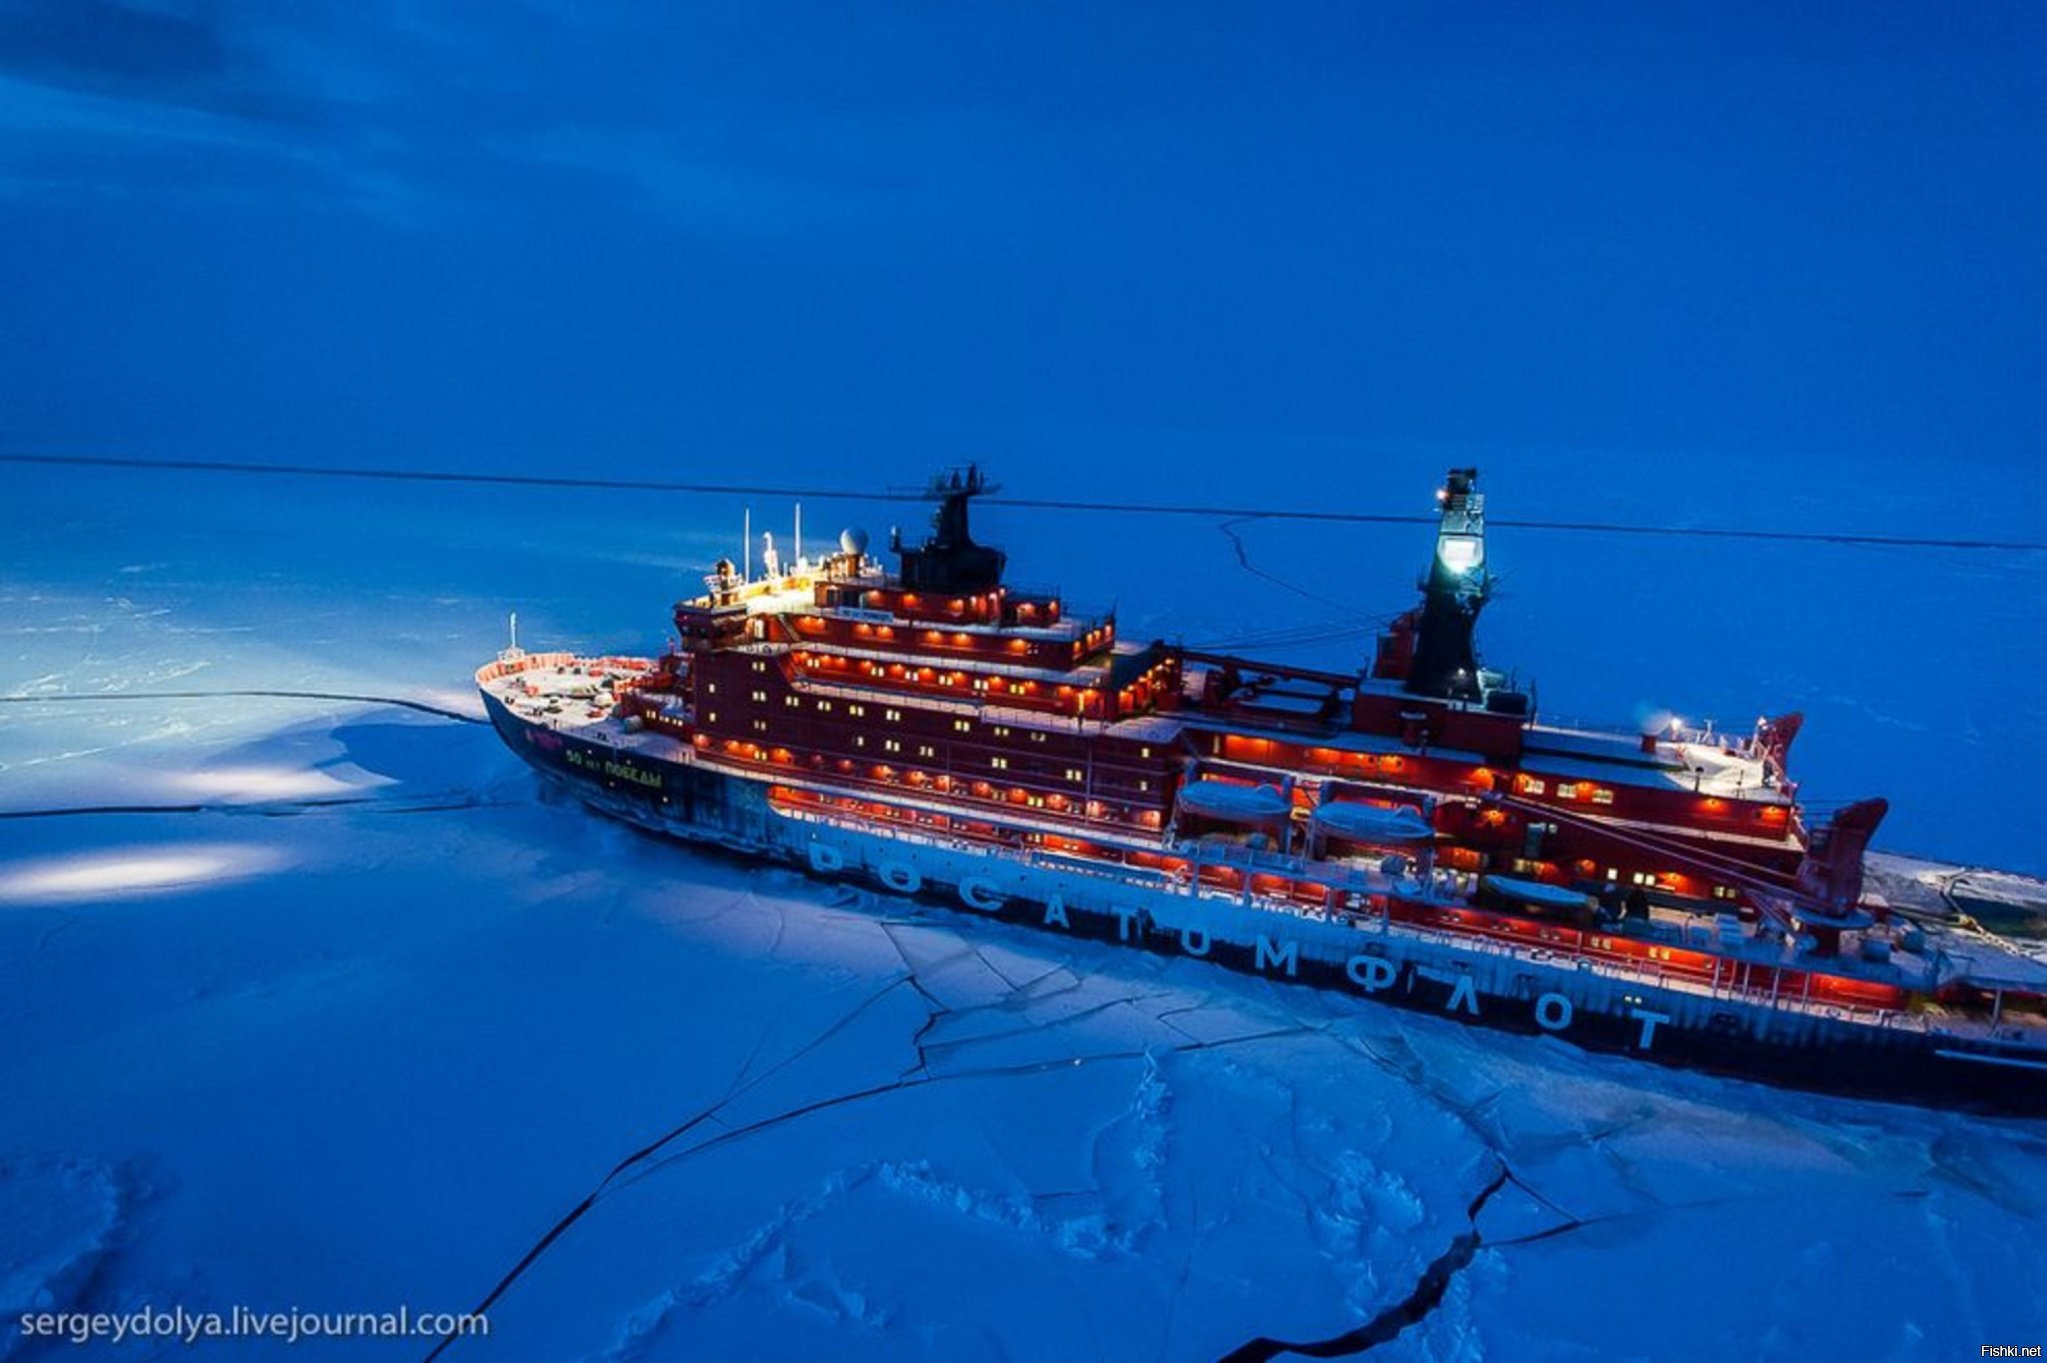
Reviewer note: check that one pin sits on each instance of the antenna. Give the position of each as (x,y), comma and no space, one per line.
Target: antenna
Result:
(515,631)
(746,547)
(799,535)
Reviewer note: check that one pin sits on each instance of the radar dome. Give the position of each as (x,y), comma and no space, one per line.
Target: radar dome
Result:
(853,540)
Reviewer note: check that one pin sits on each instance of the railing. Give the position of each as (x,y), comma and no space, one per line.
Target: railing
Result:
(1335,876)
(2029,1036)
(1040,719)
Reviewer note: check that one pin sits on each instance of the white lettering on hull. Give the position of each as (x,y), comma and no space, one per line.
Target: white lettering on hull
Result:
(1554,1012)
(981,896)
(1464,996)
(1649,1021)
(1270,954)
(900,877)
(1373,974)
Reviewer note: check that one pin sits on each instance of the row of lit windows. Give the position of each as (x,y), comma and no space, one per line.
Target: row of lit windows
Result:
(965,726)
(989,684)
(1244,748)
(1649,880)
(895,716)
(1074,775)
(983,790)
(1131,698)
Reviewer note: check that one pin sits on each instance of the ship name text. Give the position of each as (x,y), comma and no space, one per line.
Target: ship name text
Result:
(1372,974)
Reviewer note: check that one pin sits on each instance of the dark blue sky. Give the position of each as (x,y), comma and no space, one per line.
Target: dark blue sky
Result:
(1247,240)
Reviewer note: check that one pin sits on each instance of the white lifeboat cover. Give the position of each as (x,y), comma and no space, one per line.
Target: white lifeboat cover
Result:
(1225,800)
(1535,892)
(1370,823)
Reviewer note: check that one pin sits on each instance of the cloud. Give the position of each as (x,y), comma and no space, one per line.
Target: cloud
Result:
(371,107)
(105,41)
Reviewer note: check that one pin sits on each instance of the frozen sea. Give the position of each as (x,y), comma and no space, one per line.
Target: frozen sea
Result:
(320,1004)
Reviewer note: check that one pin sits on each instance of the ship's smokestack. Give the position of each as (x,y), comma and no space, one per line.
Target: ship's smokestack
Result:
(1831,874)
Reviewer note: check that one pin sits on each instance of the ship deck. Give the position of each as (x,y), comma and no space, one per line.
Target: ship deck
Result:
(1688,764)
(577,695)
(2024,1033)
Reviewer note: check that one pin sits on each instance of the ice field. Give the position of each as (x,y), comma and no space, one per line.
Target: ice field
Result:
(321,1003)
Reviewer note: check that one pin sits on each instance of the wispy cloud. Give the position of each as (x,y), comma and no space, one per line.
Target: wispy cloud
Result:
(105,42)
(115,100)
(420,119)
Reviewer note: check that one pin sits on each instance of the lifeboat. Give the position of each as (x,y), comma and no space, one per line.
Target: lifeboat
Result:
(1535,893)
(1233,803)
(1372,823)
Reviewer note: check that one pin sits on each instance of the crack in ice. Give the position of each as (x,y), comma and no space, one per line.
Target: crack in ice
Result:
(1410,1310)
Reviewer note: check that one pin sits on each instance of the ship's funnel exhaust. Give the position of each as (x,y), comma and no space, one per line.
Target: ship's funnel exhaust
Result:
(1831,875)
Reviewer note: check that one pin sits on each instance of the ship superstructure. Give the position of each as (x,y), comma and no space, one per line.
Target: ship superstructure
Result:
(1413,831)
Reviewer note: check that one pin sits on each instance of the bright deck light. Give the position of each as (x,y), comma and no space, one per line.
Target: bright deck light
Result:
(268,783)
(106,875)
(1460,553)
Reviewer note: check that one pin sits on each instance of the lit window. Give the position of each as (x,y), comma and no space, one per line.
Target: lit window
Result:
(857,711)
(1075,774)
(963,726)
(999,763)
(1568,791)
(926,750)
(824,705)
(759,666)
(1001,731)
(792,701)
(892,746)
(1602,796)
(1144,752)
(711,718)
(1533,786)
(859,740)
(892,716)
(760,698)
(1144,785)
(1037,738)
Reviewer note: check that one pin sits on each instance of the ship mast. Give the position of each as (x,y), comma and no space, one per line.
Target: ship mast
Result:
(949,560)
(1454,591)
